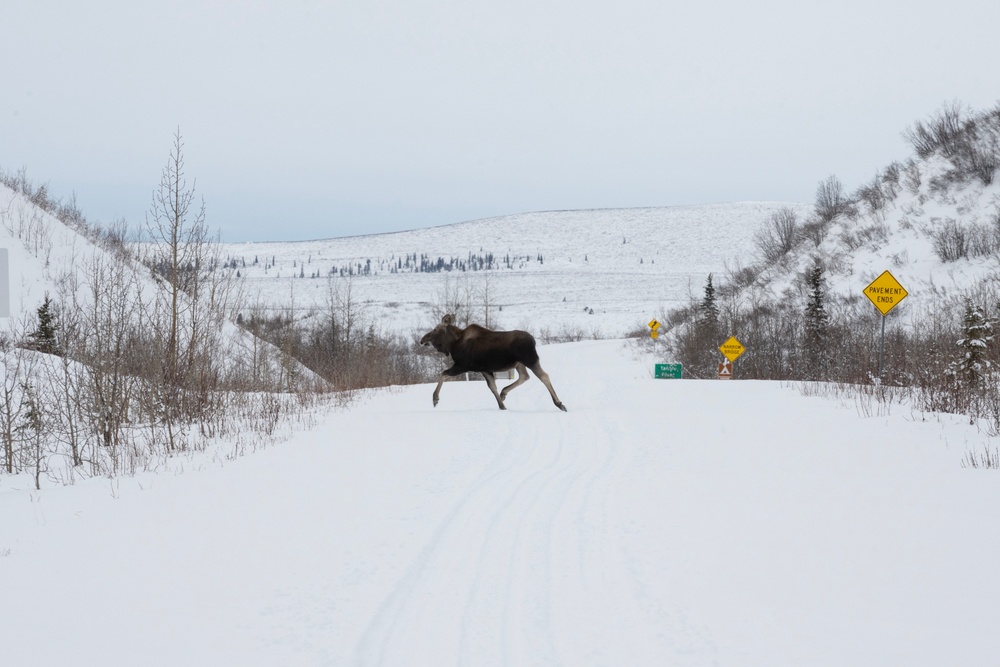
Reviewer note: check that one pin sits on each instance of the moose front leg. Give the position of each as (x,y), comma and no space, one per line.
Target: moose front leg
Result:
(448,372)
(437,390)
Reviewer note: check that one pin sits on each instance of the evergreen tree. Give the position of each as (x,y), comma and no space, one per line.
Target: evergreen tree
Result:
(708,338)
(44,337)
(709,310)
(972,366)
(814,341)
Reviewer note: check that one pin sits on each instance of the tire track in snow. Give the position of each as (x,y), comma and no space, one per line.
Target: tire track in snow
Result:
(371,651)
(518,541)
(501,531)
(538,561)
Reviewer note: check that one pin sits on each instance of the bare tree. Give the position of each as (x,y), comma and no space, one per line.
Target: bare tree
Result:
(180,238)
(831,200)
(17,367)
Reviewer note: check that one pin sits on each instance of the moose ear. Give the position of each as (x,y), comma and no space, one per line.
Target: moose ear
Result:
(448,319)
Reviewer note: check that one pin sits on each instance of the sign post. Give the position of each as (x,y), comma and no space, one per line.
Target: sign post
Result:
(886,293)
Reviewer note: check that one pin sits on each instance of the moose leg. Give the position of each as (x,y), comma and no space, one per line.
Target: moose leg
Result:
(437,389)
(446,373)
(491,380)
(522,377)
(536,368)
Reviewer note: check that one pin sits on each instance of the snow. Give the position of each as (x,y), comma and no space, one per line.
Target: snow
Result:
(675,522)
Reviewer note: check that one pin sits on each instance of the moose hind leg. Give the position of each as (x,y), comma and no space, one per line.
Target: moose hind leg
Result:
(491,381)
(536,368)
(522,377)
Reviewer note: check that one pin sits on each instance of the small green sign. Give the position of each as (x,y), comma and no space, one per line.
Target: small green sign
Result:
(669,371)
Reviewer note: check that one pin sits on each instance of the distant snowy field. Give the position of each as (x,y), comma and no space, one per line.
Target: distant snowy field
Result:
(625,265)
(656,523)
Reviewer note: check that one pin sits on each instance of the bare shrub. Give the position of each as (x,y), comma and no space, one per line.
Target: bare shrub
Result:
(740,277)
(941,132)
(777,237)
(954,241)
(987,458)
(861,235)
(971,142)
(831,200)
(873,195)
(911,177)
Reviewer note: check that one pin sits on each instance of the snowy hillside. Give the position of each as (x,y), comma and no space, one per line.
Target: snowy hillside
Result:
(549,269)
(932,220)
(655,523)
(42,252)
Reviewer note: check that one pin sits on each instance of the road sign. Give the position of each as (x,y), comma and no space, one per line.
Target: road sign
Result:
(654,325)
(732,349)
(885,292)
(669,371)
(726,370)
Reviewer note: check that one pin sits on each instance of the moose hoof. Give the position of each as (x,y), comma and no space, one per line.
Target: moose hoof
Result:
(561,407)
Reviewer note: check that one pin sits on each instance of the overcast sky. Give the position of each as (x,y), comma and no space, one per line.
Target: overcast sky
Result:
(311,119)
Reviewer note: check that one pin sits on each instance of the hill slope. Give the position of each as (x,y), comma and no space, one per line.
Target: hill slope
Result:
(549,269)
(932,220)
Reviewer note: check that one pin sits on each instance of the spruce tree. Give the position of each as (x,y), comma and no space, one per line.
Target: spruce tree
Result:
(709,310)
(972,366)
(708,329)
(44,337)
(814,340)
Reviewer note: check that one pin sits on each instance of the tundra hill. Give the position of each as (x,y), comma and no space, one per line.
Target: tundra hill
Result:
(562,274)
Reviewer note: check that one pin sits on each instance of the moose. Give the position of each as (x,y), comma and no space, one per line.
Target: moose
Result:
(476,349)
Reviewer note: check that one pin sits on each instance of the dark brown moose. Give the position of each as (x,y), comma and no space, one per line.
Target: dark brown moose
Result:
(476,349)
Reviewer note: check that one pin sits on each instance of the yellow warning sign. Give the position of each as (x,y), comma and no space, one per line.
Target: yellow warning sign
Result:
(732,348)
(654,325)
(885,292)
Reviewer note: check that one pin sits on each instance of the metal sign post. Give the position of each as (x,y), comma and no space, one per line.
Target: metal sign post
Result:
(886,293)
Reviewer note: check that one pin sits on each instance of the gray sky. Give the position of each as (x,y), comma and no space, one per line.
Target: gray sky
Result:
(304,119)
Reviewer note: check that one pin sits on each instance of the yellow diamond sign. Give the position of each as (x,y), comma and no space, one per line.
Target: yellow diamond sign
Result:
(732,348)
(885,292)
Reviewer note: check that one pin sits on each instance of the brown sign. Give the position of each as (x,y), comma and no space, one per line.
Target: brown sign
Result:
(726,370)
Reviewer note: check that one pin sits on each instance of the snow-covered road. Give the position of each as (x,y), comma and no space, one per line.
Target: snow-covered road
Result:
(655,523)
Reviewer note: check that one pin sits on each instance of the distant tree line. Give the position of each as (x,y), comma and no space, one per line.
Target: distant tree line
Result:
(409,263)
